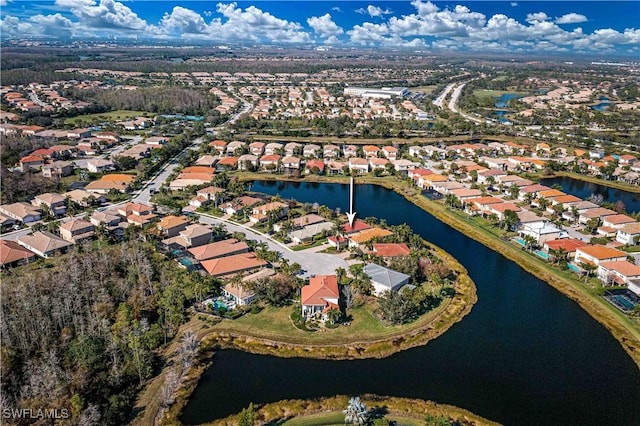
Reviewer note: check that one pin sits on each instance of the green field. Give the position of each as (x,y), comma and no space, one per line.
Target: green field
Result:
(483,93)
(424,89)
(336,418)
(121,114)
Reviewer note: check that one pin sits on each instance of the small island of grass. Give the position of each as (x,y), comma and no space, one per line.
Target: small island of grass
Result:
(372,409)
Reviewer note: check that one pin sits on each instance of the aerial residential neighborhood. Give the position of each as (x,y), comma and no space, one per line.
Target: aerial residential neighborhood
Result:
(409,213)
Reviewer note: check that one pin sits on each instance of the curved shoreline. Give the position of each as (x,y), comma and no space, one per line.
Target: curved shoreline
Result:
(634,189)
(417,409)
(628,337)
(418,333)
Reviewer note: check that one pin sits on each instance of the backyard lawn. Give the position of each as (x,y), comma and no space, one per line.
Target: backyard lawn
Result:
(121,114)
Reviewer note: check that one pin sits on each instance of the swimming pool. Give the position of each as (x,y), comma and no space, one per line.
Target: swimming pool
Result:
(622,301)
(542,254)
(217,304)
(574,268)
(520,241)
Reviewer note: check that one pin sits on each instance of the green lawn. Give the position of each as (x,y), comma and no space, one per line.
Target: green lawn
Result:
(121,114)
(274,323)
(336,418)
(323,419)
(483,93)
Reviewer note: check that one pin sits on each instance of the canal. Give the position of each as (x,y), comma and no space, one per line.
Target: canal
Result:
(584,189)
(525,355)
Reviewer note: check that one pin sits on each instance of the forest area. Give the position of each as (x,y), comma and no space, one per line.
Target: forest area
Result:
(81,332)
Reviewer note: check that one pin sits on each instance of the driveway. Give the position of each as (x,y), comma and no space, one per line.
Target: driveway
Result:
(312,263)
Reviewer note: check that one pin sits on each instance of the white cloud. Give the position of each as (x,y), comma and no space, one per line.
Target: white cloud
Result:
(336,9)
(54,25)
(324,26)
(424,9)
(537,17)
(373,11)
(183,20)
(571,18)
(108,14)
(3,3)
(514,4)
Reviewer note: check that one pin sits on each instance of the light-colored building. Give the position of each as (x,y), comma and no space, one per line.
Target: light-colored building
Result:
(385,279)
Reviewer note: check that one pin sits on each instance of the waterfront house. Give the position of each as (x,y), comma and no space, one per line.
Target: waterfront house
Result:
(13,254)
(596,213)
(384,279)
(320,296)
(568,245)
(238,293)
(361,238)
(314,166)
(542,231)
(248,162)
(618,273)
(270,162)
(617,221)
(595,254)
(358,226)
(360,165)
(390,250)
(44,243)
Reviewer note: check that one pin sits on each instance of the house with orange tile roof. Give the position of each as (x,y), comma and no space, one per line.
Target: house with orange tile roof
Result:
(390,152)
(569,245)
(371,150)
(595,254)
(618,273)
(256,148)
(270,162)
(378,163)
(480,205)
(227,163)
(565,200)
(228,247)
(465,193)
(31,162)
(13,254)
(114,181)
(389,250)
(170,226)
(320,296)
(231,265)
(363,237)
(550,193)
(219,146)
(238,205)
(427,181)
(499,208)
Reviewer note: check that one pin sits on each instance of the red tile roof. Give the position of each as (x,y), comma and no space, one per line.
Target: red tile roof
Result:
(568,244)
(230,265)
(11,251)
(320,288)
(391,249)
(358,225)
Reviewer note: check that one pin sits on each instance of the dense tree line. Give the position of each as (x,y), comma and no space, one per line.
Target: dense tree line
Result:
(80,333)
(163,100)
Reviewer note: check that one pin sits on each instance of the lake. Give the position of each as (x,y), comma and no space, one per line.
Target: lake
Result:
(583,189)
(503,102)
(525,355)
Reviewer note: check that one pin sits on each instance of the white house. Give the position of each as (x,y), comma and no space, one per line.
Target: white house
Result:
(385,279)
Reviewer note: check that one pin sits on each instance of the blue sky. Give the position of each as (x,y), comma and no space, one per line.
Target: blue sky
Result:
(600,28)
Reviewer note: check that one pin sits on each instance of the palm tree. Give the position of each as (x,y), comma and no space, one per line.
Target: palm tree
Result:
(543,203)
(356,412)
(341,273)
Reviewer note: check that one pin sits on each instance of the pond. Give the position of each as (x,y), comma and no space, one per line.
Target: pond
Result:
(525,355)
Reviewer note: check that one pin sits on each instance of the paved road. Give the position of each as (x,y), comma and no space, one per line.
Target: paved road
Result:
(439,101)
(312,263)
(144,194)
(453,106)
